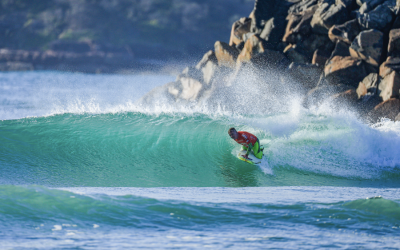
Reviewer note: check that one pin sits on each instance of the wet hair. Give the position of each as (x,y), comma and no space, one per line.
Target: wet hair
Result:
(230,130)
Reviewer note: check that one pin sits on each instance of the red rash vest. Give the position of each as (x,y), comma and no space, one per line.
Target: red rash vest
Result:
(245,138)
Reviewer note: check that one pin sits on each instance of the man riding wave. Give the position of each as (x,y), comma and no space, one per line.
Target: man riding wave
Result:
(248,141)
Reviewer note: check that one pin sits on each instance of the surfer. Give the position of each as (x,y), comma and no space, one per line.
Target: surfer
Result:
(248,141)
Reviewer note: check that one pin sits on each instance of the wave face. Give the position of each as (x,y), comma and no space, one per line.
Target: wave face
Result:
(89,135)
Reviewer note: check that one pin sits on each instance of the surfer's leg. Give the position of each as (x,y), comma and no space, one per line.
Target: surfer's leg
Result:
(244,148)
(257,150)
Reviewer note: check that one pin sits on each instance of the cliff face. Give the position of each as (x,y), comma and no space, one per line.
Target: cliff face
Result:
(345,51)
(95,30)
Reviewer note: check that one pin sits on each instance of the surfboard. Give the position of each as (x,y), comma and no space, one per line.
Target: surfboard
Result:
(252,159)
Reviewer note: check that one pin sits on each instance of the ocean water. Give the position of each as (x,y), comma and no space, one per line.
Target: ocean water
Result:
(85,165)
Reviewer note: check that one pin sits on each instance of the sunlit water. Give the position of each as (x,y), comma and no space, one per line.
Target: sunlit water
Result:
(85,166)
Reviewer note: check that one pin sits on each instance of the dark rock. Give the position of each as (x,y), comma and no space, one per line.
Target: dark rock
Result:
(345,32)
(299,25)
(394,43)
(301,6)
(397,118)
(391,64)
(256,53)
(368,46)
(345,70)
(307,75)
(296,54)
(253,46)
(320,57)
(239,28)
(226,55)
(348,97)
(387,109)
(372,3)
(341,49)
(327,15)
(369,85)
(379,18)
(389,86)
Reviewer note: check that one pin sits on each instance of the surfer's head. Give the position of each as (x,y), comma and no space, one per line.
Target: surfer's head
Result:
(233,133)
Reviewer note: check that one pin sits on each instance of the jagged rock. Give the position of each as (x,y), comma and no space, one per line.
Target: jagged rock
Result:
(302,6)
(391,64)
(348,97)
(302,52)
(341,49)
(263,11)
(397,118)
(239,28)
(345,32)
(389,86)
(394,43)
(209,56)
(305,74)
(299,25)
(226,55)
(320,57)
(346,3)
(372,3)
(378,19)
(273,32)
(367,6)
(296,54)
(253,46)
(327,15)
(368,46)
(387,109)
(345,70)
(368,85)
(256,53)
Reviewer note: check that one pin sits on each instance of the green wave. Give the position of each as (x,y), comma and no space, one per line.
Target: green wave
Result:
(148,150)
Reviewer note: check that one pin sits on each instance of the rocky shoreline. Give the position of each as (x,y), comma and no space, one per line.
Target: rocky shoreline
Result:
(347,51)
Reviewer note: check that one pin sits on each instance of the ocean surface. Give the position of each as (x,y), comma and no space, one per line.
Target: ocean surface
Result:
(85,165)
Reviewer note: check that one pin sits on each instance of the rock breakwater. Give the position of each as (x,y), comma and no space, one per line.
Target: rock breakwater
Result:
(346,51)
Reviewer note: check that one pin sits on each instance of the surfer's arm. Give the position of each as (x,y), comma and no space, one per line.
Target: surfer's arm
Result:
(249,148)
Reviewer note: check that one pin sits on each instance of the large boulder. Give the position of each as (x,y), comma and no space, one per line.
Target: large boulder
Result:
(239,28)
(226,55)
(253,46)
(390,86)
(299,25)
(341,49)
(320,57)
(368,46)
(369,85)
(391,64)
(327,15)
(379,18)
(387,109)
(345,70)
(394,43)
(345,32)
(367,6)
